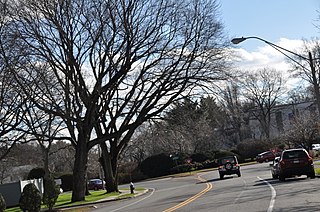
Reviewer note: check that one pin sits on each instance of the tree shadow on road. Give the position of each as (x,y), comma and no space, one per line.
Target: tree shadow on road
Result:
(216,179)
(277,181)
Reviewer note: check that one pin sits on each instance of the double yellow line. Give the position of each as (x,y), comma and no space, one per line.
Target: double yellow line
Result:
(191,199)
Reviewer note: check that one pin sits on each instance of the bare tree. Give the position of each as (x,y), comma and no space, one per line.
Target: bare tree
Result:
(113,65)
(308,68)
(141,145)
(263,89)
(234,108)
(44,129)
(304,132)
(11,100)
(5,168)
(61,157)
(175,58)
(187,128)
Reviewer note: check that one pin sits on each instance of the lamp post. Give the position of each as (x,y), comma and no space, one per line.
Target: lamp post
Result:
(278,48)
(285,52)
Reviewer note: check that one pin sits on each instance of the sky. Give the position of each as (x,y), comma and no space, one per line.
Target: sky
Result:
(283,22)
(270,19)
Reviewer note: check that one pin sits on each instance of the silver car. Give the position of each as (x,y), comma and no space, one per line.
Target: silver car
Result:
(275,168)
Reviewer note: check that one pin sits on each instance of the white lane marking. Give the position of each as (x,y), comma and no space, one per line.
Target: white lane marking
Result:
(238,197)
(135,202)
(273,195)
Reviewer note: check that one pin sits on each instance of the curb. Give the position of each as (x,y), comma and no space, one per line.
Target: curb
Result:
(92,205)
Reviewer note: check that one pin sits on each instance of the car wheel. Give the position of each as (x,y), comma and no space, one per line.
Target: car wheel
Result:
(221,176)
(274,176)
(239,174)
(281,177)
(312,175)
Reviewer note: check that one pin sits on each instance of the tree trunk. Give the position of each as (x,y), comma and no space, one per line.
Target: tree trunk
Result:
(110,171)
(45,153)
(79,171)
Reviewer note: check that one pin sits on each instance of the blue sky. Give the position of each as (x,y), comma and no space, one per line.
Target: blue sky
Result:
(270,20)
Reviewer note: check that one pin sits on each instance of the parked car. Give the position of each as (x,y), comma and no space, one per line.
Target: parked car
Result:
(316,147)
(228,166)
(95,184)
(265,157)
(295,162)
(275,168)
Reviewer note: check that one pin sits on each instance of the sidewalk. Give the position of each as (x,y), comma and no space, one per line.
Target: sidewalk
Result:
(124,194)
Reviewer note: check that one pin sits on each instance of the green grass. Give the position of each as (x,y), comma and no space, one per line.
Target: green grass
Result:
(13,209)
(317,171)
(64,200)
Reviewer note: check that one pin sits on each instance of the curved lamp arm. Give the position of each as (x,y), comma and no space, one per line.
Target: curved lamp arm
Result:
(278,48)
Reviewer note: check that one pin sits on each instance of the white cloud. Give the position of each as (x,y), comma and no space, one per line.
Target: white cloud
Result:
(268,57)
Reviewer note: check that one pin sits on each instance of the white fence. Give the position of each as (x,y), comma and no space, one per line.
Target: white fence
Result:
(11,192)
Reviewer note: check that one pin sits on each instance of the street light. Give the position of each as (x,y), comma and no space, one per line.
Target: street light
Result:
(279,49)
(285,53)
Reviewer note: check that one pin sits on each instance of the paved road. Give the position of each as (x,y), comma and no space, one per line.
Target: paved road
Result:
(254,191)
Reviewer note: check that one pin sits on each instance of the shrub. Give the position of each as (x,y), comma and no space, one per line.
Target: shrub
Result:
(210,164)
(36,173)
(223,153)
(30,199)
(182,168)
(198,157)
(198,166)
(137,175)
(134,176)
(251,148)
(156,165)
(2,203)
(51,193)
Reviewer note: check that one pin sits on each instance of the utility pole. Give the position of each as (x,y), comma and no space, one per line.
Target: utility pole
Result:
(315,81)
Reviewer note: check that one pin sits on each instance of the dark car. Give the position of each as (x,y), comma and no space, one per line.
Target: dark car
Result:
(295,162)
(95,184)
(265,157)
(228,166)
(275,168)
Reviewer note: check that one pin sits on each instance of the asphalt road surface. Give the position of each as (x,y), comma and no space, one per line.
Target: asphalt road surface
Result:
(254,191)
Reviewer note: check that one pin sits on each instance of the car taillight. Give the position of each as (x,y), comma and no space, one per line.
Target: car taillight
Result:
(237,164)
(220,167)
(282,163)
(310,160)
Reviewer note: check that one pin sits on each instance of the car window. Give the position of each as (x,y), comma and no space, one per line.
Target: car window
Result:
(294,154)
(265,154)
(95,181)
(227,160)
